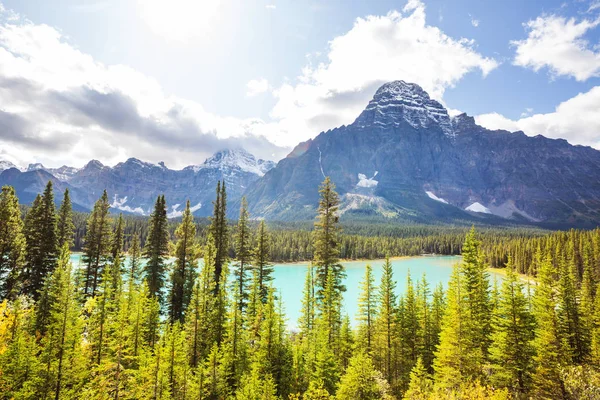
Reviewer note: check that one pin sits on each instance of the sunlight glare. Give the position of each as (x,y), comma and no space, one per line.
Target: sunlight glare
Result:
(180,20)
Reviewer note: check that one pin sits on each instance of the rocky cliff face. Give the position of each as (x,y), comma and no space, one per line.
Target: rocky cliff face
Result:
(404,156)
(133,185)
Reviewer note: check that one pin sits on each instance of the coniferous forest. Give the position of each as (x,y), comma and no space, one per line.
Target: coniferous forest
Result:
(129,323)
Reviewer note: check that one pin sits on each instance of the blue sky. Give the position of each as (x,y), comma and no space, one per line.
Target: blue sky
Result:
(177,80)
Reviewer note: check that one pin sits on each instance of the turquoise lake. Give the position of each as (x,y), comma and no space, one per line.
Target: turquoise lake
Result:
(289,279)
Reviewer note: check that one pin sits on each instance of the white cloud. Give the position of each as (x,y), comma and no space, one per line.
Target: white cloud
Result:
(577,120)
(257,86)
(271,6)
(558,44)
(59,106)
(377,49)
(594,5)
(474,21)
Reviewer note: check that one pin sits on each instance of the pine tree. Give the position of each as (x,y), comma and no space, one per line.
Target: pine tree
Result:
(135,262)
(476,290)
(118,238)
(62,351)
(156,249)
(550,353)
(97,244)
(362,381)
(326,240)
(307,316)
(65,227)
(12,243)
(42,243)
(257,385)
(367,310)
(219,233)
(201,314)
(511,351)
(187,253)
(262,266)
(19,362)
(427,331)
(243,255)
(457,359)
(568,311)
(387,323)
(421,385)
(409,331)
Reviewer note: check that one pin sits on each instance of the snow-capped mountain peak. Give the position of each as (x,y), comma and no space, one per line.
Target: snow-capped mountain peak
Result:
(235,159)
(401,101)
(4,165)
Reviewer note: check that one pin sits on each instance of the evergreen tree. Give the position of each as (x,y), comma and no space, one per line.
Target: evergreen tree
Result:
(62,351)
(156,249)
(97,244)
(262,266)
(219,233)
(42,243)
(457,359)
(65,227)
(135,259)
(421,385)
(387,324)
(117,239)
(476,290)
(187,253)
(550,353)
(362,381)
(367,310)
(307,316)
(326,240)
(511,351)
(241,267)
(12,243)
(201,315)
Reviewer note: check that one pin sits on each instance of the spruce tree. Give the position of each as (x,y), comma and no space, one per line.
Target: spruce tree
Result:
(97,244)
(363,381)
(367,310)
(550,351)
(156,249)
(183,276)
(118,239)
(243,255)
(219,233)
(326,241)
(306,321)
(512,350)
(12,243)
(65,227)
(387,323)
(42,243)
(262,266)
(457,359)
(62,350)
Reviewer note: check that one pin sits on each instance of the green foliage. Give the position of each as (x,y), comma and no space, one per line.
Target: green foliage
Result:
(363,381)
(156,249)
(12,243)
(97,244)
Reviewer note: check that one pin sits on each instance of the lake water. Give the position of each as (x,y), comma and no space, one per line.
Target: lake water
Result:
(289,279)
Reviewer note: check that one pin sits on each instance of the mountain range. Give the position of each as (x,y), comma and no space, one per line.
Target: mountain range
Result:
(133,185)
(404,157)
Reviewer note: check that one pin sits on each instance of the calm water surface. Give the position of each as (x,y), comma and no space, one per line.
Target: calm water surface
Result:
(289,279)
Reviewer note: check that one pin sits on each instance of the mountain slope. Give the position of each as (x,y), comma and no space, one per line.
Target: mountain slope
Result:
(405,157)
(133,185)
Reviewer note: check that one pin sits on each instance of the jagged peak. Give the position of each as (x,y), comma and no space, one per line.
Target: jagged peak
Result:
(94,164)
(235,158)
(35,167)
(399,101)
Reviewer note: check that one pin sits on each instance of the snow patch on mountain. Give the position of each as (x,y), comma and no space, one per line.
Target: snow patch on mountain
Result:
(365,182)
(478,208)
(176,212)
(119,204)
(434,197)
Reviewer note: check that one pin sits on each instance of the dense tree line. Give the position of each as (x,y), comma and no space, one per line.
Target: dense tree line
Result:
(139,327)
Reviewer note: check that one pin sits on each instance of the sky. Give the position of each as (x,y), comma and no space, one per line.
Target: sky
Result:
(178,80)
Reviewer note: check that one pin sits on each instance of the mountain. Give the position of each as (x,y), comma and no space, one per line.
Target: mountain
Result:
(133,185)
(405,157)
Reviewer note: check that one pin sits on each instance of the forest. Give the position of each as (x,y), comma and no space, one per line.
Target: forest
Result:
(130,324)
